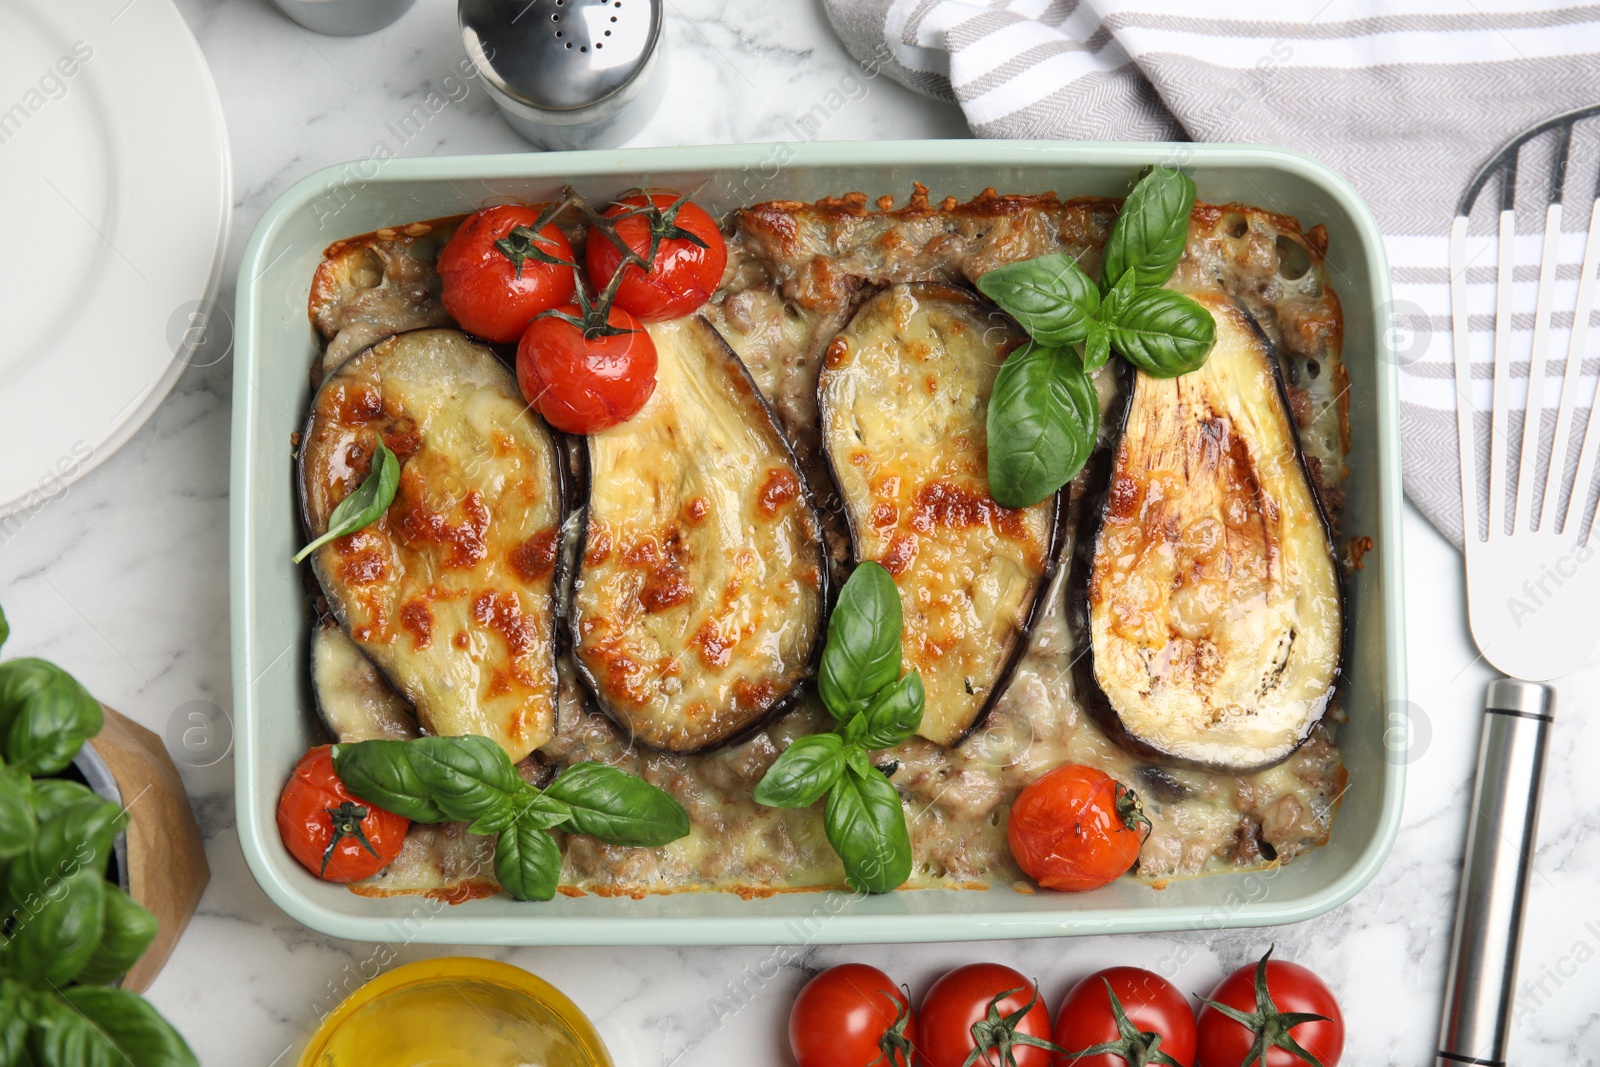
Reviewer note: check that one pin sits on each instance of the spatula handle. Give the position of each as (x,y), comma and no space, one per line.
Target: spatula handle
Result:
(1501,829)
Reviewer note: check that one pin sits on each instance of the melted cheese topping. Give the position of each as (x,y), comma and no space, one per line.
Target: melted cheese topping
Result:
(355,701)
(1216,622)
(956,799)
(698,602)
(451,592)
(905,394)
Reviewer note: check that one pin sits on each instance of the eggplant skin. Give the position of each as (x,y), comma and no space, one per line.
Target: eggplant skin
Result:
(1206,586)
(904,400)
(698,608)
(451,593)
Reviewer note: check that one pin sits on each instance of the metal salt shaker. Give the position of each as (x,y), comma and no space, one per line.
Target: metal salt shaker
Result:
(568,73)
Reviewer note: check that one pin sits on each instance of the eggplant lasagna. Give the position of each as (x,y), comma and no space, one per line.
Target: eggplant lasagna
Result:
(655,595)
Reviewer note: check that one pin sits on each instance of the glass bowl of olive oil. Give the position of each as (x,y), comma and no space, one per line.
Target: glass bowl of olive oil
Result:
(456,1011)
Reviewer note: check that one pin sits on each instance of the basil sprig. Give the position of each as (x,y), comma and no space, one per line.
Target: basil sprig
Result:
(1040,430)
(366,505)
(873,707)
(471,779)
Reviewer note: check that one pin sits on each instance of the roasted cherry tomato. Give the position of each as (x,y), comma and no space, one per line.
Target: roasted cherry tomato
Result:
(495,279)
(337,837)
(967,1010)
(852,1016)
(1076,828)
(1156,1018)
(679,241)
(1279,1003)
(584,380)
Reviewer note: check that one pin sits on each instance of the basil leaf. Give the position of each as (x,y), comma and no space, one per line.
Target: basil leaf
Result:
(17,822)
(465,776)
(1151,230)
(76,837)
(380,773)
(499,815)
(46,716)
(19,680)
(1162,332)
(1096,347)
(529,807)
(863,650)
(14,1013)
(867,828)
(54,933)
(854,729)
(1044,415)
(527,862)
(1049,296)
(91,1026)
(855,759)
(615,807)
(126,931)
(51,796)
(807,769)
(5,627)
(366,505)
(895,714)
(533,808)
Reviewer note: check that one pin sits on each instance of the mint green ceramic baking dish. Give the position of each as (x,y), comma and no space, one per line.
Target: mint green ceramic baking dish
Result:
(272,702)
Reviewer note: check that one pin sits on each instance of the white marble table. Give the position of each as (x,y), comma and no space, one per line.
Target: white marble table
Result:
(124,581)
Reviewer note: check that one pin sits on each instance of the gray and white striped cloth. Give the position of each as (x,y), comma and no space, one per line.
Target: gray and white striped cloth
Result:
(1405,98)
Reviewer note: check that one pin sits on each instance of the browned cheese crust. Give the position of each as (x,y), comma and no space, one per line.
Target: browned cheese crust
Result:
(797,272)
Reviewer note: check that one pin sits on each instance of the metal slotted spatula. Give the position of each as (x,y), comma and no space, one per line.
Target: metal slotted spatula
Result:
(1533,578)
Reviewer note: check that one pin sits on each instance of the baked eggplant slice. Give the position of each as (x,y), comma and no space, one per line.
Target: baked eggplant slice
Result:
(354,699)
(451,594)
(904,396)
(377,284)
(697,614)
(1207,586)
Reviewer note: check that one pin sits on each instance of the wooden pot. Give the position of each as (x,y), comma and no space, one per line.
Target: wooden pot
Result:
(160,858)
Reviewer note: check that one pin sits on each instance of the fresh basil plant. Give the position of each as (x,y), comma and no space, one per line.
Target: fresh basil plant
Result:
(471,780)
(1043,413)
(68,934)
(873,707)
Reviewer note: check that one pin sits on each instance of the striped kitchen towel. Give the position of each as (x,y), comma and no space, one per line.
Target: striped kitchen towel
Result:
(1405,98)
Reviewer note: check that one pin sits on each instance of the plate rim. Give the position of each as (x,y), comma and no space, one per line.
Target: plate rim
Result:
(183,43)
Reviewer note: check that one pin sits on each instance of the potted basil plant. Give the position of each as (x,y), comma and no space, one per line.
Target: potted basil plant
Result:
(67,934)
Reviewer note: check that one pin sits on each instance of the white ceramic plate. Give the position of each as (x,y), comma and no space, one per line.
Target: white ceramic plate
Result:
(114,173)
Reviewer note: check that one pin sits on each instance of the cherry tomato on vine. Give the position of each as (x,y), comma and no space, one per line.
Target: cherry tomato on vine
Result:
(989,1008)
(585,378)
(1077,828)
(852,1015)
(499,271)
(1136,1016)
(1275,1007)
(680,242)
(335,836)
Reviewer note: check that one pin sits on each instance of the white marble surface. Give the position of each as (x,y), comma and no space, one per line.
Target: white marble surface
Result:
(124,581)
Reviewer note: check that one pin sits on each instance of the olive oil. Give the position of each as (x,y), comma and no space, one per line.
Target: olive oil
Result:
(457,1017)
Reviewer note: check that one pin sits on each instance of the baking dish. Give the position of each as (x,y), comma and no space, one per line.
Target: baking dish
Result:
(274,345)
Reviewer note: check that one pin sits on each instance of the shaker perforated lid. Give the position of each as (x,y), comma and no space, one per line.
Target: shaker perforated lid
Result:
(562,55)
